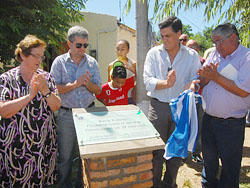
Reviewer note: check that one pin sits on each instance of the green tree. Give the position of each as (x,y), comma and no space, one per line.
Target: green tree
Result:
(233,11)
(48,19)
(187,29)
(204,39)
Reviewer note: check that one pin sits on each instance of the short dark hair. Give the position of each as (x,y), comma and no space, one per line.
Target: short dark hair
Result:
(225,30)
(119,72)
(172,21)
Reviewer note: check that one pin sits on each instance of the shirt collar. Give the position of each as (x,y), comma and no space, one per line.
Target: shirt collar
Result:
(110,85)
(68,56)
(235,52)
(162,48)
(69,59)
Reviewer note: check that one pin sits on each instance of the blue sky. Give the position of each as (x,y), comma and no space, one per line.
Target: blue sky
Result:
(194,18)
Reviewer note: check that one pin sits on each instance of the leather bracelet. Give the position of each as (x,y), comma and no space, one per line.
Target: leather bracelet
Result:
(47,95)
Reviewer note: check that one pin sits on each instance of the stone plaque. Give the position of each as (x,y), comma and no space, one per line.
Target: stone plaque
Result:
(112,126)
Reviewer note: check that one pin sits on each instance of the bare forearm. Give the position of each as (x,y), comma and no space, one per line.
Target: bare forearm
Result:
(62,89)
(54,102)
(162,84)
(10,108)
(203,81)
(93,88)
(230,86)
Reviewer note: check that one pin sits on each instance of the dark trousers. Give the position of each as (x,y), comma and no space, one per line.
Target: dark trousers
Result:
(200,113)
(160,116)
(222,139)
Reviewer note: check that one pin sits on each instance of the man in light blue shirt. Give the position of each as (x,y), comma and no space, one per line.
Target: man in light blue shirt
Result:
(226,80)
(168,69)
(78,80)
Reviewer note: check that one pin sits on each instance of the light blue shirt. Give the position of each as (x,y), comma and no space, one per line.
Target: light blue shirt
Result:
(186,63)
(65,71)
(220,102)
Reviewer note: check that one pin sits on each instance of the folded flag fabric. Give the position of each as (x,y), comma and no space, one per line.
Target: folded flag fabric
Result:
(184,114)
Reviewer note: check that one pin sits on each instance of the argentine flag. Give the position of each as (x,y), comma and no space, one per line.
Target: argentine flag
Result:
(184,114)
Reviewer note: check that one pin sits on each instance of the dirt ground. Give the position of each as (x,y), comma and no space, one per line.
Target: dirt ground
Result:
(189,174)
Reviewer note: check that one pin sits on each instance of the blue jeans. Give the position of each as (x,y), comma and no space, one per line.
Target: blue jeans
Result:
(66,146)
(222,139)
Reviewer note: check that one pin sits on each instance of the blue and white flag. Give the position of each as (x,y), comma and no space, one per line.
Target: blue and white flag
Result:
(184,114)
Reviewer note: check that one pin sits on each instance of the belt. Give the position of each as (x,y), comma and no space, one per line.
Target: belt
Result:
(229,118)
(155,99)
(66,108)
(70,109)
(159,100)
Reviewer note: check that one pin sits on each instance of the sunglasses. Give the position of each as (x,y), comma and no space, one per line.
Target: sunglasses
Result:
(79,45)
(183,40)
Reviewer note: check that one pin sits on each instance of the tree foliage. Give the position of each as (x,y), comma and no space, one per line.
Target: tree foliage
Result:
(204,39)
(187,29)
(48,19)
(233,11)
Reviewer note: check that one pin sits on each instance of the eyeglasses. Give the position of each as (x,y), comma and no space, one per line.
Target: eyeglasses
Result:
(183,40)
(38,56)
(79,45)
(219,42)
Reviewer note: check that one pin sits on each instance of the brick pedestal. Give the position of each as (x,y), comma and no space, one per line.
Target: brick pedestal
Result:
(119,171)
(117,163)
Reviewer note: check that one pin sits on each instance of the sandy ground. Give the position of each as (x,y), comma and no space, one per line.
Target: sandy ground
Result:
(189,175)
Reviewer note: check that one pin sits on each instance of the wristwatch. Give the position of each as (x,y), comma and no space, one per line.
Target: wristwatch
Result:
(47,95)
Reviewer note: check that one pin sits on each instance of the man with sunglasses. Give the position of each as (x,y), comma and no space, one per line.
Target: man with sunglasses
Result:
(78,80)
(184,39)
(226,80)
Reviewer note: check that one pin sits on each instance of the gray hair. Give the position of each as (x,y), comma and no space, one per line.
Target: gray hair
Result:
(77,31)
(225,30)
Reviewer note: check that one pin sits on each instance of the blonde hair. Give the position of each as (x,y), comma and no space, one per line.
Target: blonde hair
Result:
(25,46)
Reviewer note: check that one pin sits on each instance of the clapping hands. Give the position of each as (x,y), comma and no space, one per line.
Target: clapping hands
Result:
(83,80)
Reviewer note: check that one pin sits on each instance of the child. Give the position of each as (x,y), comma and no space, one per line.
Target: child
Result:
(116,91)
(122,50)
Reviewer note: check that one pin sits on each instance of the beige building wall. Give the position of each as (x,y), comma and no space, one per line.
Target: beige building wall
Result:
(104,32)
(102,38)
(125,32)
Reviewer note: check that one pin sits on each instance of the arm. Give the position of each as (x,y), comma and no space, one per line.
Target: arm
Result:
(83,80)
(93,88)
(94,83)
(131,68)
(53,100)
(62,89)
(10,108)
(150,77)
(209,72)
(101,97)
(168,83)
(109,69)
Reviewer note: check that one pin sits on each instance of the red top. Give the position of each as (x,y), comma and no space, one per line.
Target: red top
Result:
(116,96)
